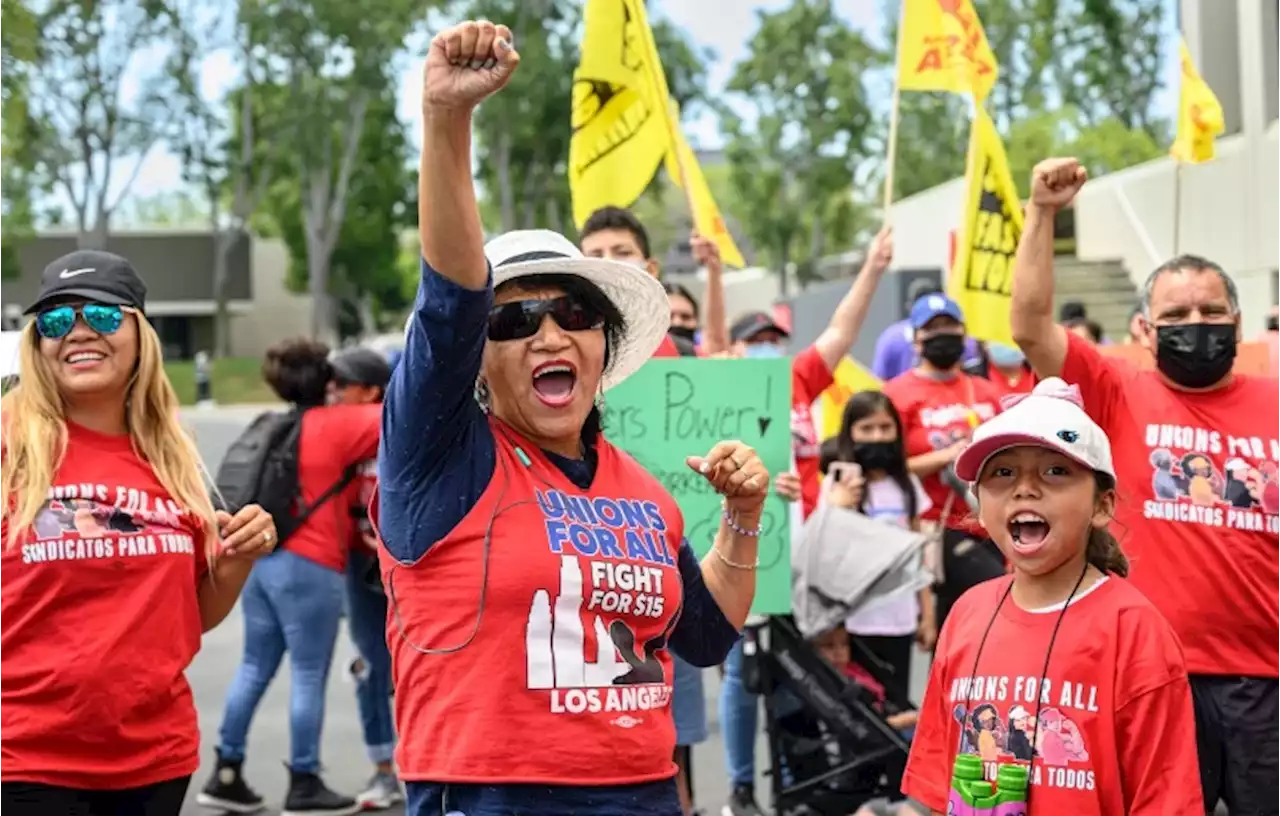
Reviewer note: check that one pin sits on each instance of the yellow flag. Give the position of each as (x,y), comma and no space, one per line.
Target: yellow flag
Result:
(850,378)
(619,120)
(682,165)
(982,276)
(1199,115)
(942,47)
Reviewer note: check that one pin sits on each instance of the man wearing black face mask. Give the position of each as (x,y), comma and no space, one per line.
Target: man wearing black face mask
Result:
(1209,566)
(940,404)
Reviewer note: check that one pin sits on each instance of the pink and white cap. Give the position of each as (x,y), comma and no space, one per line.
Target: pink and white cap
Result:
(1051,416)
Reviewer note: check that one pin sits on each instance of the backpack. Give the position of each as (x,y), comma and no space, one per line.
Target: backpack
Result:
(261,467)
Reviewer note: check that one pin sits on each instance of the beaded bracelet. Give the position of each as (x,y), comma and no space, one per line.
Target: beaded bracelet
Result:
(740,530)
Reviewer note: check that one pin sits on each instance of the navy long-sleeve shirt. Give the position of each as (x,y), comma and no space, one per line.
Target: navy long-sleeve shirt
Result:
(436,458)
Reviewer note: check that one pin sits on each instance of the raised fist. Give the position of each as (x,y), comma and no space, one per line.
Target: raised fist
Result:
(1055,182)
(467,63)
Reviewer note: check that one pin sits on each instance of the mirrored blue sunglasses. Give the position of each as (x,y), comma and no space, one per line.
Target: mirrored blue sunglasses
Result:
(57,322)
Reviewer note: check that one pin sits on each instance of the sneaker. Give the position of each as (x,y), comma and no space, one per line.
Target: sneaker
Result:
(742,802)
(382,792)
(309,796)
(226,790)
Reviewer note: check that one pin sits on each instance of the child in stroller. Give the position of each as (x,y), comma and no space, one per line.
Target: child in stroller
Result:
(836,741)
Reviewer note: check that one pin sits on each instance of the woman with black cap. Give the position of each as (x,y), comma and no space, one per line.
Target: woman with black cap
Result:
(360,377)
(114,561)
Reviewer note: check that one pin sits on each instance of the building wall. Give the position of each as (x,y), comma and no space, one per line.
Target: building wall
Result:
(275,312)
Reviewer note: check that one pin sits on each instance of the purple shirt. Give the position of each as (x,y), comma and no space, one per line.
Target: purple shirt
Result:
(896,351)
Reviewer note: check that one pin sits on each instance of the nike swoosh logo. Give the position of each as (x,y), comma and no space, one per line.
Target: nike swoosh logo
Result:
(71,273)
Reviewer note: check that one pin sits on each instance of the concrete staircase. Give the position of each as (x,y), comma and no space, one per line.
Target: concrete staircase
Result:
(1103,287)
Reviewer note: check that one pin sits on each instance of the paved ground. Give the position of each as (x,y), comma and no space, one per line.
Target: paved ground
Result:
(343,749)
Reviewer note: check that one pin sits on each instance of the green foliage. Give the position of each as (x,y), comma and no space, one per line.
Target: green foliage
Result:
(523,133)
(18,183)
(793,168)
(1076,76)
(380,205)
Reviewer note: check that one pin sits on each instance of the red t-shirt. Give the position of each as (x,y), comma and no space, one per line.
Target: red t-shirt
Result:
(936,414)
(1117,732)
(1199,498)
(809,378)
(333,438)
(667,348)
(101,619)
(1021,384)
(359,495)
(583,591)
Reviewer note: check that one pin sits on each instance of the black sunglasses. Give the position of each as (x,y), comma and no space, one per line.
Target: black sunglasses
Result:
(520,319)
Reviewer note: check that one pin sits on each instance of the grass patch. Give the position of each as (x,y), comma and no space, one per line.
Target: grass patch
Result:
(235,380)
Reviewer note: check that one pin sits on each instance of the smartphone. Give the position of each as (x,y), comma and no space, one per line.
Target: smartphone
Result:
(844,472)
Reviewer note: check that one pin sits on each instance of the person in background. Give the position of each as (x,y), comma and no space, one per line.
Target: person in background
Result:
(616,234)
(360,377)
(940,405)
(1087,330)
(895,348)
(1135,335)
(1209,568)
(684,319)
(1007,369)
(292,601)
(756,335)
(1071,311)
(113,560)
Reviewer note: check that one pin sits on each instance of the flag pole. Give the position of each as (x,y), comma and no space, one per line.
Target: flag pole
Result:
(1177,206)
(892,153)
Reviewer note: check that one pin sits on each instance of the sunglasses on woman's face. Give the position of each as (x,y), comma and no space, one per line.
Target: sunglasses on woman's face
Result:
(57,322)
(520,319)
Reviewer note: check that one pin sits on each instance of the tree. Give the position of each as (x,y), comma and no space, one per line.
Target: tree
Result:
(523,133)
(81,123)
(794,168)
(18,182)
(332,56)
(366,278)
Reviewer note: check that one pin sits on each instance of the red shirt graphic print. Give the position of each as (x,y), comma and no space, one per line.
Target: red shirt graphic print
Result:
(1199,516)
(582,593)
(1116,730)
(101,619)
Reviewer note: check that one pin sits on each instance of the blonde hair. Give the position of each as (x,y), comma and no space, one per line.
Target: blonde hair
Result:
(35,437)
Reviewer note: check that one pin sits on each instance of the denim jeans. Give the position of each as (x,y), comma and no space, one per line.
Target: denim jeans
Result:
(290,603)
(739,716)
(367,623)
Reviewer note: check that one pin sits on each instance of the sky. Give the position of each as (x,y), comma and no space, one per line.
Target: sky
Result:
(725,26)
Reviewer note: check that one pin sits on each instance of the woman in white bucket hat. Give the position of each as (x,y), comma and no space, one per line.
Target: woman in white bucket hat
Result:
(536,575)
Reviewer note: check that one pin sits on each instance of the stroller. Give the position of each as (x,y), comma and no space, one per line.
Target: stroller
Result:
(831,746)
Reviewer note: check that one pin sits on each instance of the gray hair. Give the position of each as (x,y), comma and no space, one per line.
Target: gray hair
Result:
(1189,263)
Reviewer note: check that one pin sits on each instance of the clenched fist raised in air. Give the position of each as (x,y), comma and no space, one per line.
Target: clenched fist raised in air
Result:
(1054,182)
(466,64)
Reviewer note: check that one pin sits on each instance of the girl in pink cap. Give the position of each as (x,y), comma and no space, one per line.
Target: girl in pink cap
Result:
(1108,675)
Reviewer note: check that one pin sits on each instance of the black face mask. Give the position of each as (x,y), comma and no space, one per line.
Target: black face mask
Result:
(877,455)
(943,350)
(1196,355)
(683,332)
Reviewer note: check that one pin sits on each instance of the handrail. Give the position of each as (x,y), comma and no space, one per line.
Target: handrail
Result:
(1144,237)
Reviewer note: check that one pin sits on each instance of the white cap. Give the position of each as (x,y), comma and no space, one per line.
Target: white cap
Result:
(1052,416)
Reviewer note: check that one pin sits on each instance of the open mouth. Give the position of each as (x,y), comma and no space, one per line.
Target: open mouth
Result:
(84,359)
(553,383)
(1029,531)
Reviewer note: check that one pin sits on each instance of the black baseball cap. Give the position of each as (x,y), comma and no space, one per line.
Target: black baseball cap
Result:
(751,324)
(361,366)
(93,275)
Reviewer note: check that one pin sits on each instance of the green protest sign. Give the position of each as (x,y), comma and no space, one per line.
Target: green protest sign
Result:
(671,409)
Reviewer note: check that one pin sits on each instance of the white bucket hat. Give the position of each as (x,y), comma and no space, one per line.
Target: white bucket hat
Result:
(636,294)
(1051,416)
